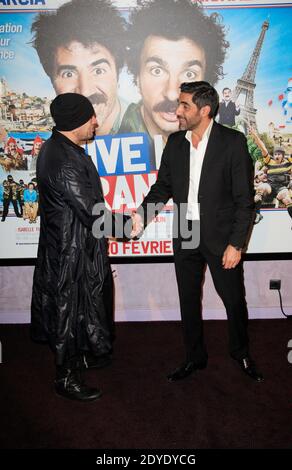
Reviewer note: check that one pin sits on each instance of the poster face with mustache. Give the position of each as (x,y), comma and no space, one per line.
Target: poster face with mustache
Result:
(90,71)
(165,64)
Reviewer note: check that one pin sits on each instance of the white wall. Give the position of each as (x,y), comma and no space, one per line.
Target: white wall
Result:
(148,292)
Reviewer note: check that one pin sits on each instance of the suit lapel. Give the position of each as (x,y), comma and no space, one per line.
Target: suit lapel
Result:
(183,151)
(185,162)
(210,154)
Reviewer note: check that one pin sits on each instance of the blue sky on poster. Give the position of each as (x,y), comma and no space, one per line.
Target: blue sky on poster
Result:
(25,73)
(275,64)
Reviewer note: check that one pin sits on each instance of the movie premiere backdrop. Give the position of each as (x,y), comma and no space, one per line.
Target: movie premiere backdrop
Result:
(133,83)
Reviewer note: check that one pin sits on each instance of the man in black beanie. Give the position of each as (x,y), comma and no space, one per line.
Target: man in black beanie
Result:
(72,301)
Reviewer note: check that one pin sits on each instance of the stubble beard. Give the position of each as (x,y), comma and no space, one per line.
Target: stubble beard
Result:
(183,126)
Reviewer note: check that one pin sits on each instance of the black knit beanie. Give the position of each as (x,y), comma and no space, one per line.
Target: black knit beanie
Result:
(71,110)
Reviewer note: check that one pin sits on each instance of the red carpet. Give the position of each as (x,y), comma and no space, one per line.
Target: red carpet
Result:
(216,408)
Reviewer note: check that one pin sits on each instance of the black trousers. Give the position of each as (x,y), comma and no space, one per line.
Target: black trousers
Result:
(6,203)
(190,266)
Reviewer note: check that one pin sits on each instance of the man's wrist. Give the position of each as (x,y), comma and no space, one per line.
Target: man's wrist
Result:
(238,248)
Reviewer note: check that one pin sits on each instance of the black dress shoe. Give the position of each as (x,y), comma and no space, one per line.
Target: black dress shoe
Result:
(185,370)
(71,386)
(249,368)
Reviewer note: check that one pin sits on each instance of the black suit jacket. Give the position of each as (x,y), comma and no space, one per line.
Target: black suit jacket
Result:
(227,113)
(225,191)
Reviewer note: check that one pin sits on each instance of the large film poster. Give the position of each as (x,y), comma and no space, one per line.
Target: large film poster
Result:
(129,58)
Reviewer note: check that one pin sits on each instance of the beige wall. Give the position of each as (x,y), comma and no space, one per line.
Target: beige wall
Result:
(149,292)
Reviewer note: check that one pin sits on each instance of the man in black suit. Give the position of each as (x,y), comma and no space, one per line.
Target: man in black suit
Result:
(228,109)
(207,170)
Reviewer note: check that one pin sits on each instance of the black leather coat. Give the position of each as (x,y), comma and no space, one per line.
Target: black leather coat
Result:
(72,301)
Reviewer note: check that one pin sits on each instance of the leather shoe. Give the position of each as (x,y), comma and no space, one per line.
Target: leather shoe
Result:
(71,386)
(185,370)
(249,368)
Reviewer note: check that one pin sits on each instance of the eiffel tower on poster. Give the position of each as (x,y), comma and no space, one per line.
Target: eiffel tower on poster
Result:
(246,84)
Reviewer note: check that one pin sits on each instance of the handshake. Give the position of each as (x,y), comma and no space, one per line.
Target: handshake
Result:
(121,226)
(137,225)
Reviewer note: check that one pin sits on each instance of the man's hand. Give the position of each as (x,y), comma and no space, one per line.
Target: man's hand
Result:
(138,225)
(231,257)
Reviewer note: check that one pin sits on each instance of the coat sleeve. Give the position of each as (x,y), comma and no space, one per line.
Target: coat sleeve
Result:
(77,193)
(161,191)
(242,173)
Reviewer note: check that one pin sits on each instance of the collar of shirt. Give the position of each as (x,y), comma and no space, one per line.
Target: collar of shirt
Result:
(61,137)
(205,137)
(196,163)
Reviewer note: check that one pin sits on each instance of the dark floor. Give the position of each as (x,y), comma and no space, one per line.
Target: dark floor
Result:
(216,408)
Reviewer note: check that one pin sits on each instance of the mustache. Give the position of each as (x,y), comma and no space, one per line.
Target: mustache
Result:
(166,106)
(97,98)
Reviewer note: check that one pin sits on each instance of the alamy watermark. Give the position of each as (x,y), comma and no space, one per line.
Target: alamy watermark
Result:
(119,224)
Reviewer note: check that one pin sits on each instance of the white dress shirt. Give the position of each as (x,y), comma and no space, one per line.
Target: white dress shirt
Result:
(196,162)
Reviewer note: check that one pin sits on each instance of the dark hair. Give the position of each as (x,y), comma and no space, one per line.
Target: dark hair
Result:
(226,88)
(86,21)
(203,94)
(279,150)
(30,183)
(174,20)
